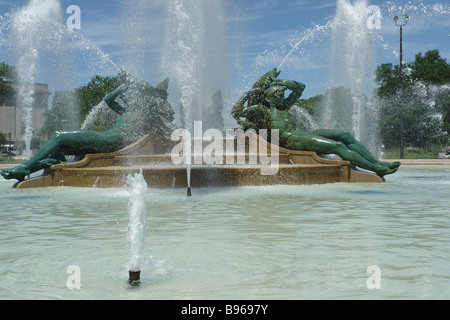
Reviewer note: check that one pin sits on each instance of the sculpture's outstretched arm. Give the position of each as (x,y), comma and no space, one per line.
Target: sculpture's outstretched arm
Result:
(110,100)
(265,81)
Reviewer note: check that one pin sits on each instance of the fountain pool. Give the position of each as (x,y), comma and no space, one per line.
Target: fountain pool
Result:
(282,242)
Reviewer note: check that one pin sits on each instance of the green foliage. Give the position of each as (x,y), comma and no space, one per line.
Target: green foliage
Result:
(95,91)
(388,77)
(69,108)
(312,105)
(92,94)
(7,75)
(443,102)
(421,124)
(425,100)
(431,68)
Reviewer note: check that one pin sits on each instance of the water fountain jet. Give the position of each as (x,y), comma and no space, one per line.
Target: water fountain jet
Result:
(137,227)
(189,31)
(189,166)
(352,65)
(306,37)
(194,59)
(28,39)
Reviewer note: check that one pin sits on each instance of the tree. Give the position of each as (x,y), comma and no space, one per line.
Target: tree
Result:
(95,91)
(312,105)
(388,77)
(424,97)
(92,94)
(431,68)
(7,75)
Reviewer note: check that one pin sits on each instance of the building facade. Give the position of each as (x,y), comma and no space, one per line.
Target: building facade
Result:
(12,117)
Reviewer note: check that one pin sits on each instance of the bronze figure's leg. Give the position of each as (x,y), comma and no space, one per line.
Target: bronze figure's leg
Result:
(354,145)
(65,143)
(353,152)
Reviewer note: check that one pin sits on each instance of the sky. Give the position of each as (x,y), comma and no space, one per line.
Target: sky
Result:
(254,36)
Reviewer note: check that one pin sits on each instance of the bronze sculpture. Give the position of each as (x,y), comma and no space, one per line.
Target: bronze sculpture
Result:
(266,107)
(142,110)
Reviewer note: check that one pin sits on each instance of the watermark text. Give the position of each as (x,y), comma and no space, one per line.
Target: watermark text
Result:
(74,20)
(374,280)
(374,20)
(238,147)
(74,280)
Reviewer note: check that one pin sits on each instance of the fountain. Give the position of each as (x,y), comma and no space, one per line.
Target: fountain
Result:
(83,226)
(308,35)
(190,32)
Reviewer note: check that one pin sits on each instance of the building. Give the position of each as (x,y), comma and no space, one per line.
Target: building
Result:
(12,119)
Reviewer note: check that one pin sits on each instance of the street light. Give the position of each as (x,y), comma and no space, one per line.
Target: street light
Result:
(401,24)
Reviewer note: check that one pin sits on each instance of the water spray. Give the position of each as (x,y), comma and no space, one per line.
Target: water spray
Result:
(87,42)
(189,166)
(310,34)
(137,227)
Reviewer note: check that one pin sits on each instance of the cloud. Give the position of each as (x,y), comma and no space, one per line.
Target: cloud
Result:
(266,4)
(307,5)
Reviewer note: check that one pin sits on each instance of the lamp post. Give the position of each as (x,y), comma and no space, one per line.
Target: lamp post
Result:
(401,24)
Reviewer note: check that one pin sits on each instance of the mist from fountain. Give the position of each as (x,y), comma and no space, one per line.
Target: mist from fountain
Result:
(28,41)
(99,110)
(303,119)
(352,64)
(194,55)
(81,43)
(308,36)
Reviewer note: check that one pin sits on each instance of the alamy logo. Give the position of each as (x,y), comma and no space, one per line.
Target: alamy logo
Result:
(74,21)
(374,281)
(374,20)
(223,150)
(74,280)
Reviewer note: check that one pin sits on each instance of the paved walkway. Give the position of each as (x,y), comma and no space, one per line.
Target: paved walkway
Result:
(423,162)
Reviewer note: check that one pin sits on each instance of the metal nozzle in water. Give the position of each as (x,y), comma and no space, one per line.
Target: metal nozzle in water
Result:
(135,278)
(189,193)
